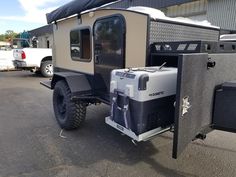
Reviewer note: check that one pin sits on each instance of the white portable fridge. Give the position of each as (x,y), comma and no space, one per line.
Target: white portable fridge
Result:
(142,101)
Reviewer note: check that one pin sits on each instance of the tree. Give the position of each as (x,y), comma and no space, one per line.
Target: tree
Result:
(9,35)
(2,37)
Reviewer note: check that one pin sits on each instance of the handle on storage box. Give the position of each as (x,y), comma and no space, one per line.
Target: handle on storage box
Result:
(125,109)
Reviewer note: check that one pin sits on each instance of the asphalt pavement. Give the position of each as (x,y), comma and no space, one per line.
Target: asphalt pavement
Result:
(31,145)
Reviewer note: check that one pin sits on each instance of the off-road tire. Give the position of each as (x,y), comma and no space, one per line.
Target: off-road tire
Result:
(69,114)
(45,68)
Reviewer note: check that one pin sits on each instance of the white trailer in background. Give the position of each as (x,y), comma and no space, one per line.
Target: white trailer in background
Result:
(6,60)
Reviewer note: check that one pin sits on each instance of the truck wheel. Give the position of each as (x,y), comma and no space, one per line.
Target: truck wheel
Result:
(69,114)
(47,68)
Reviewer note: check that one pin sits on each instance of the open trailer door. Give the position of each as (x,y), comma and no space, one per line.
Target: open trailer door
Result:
(205,97)
(189,121)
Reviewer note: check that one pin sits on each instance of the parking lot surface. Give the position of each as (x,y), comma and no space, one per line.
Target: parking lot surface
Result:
(30,145)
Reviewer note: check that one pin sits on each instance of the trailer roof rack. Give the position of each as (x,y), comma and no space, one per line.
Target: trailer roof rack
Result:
(193,47)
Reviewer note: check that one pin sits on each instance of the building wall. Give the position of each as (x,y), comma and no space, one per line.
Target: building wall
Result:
(42,41)
(2,43)
(43,35)
(218,12)
(194,10)
(222,13)
(148,3)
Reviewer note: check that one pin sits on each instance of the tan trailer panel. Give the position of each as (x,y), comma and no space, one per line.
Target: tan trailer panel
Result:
(62,48)
(136,26)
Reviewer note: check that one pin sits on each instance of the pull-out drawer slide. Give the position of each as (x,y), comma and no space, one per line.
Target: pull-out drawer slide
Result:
(141,137)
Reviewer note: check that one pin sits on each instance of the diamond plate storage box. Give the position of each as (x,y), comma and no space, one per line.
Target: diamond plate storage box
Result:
(170,31)
(143,99)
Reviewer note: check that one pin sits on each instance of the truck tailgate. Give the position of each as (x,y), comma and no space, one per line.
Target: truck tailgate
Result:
(17,54)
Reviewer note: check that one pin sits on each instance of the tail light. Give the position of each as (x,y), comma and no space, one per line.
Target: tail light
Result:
(23,56)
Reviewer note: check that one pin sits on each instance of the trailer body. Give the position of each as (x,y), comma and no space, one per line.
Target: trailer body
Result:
(89,46)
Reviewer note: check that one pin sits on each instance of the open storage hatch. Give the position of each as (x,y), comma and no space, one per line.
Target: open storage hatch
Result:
(200,76)
(205,97)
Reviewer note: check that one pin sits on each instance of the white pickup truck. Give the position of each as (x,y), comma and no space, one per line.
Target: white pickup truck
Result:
(35,60)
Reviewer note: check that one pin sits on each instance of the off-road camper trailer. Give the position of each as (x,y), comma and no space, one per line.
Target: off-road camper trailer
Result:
(176,75)
(86,45)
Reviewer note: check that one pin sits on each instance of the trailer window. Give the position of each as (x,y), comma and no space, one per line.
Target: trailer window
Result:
(80,45)
(108,36)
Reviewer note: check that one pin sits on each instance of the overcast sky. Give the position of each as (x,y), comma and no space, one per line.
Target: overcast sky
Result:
(20,15)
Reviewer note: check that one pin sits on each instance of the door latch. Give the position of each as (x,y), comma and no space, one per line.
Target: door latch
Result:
(210,63)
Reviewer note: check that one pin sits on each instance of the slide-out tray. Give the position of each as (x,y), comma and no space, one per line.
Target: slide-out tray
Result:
(142,137)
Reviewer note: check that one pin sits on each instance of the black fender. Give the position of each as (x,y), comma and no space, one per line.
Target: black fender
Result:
(77,82)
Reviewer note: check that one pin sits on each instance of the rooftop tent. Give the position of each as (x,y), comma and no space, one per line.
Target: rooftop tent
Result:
(74,7)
